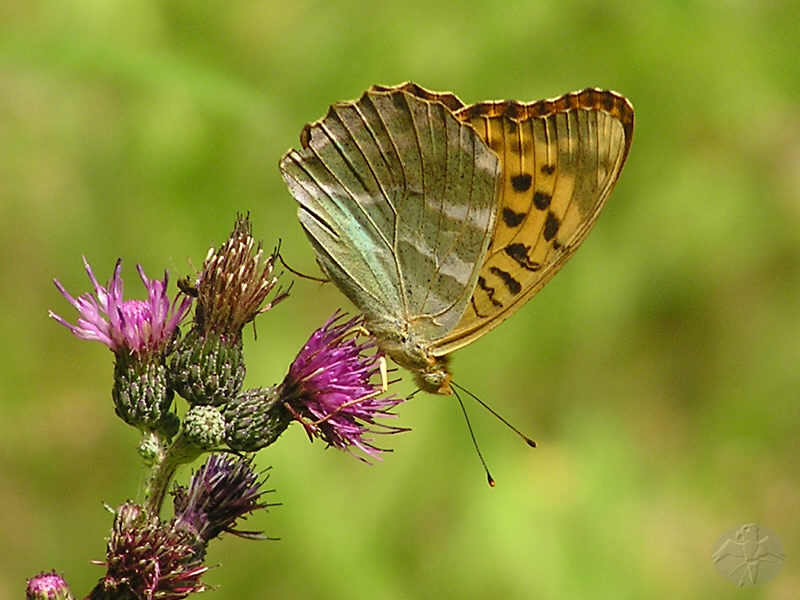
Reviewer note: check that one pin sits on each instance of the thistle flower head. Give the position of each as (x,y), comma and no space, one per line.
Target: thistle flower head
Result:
(329,389)
(208,365)
(222,491)
(148,559)
(235,282)
(47,586)
(132,326)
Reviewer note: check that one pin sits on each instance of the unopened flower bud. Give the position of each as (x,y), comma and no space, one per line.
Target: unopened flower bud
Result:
(204,427)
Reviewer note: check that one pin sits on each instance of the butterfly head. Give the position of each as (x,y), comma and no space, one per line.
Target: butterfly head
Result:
(435,378)
(408,348)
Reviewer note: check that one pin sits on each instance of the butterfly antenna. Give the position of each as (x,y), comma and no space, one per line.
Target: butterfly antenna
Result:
(497,415)
(298,273)
(489,477)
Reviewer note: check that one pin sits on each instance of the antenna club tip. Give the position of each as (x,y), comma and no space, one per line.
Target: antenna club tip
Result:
(530,442)
(490,480)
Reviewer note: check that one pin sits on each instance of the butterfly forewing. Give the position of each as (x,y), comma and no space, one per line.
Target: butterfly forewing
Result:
(398,199)
(559,161)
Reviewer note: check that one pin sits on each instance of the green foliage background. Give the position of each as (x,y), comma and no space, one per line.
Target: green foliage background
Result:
(658,372)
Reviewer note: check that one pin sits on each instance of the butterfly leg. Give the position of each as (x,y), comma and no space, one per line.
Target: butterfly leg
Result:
(383,364)
(384,368)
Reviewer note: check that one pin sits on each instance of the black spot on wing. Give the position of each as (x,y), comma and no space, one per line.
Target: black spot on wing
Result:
(475,308)
(551,226)
(541,200)
(547,169)
(489,291)
(519,252)
(521,182)
(512,218)
(512,284)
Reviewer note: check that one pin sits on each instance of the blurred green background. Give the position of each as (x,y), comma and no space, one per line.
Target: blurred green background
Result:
(659,372)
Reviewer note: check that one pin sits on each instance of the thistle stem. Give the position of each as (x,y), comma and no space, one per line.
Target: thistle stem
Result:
(180,451)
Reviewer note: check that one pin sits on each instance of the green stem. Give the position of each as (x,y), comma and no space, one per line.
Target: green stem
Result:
(180,452)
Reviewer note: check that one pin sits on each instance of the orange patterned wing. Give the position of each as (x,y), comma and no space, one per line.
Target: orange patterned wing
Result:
(559,161)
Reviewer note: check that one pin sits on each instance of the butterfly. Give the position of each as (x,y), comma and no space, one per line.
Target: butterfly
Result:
(439,220)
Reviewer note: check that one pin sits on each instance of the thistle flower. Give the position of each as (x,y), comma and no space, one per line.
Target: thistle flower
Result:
(222,491)
(131,326)
(47,586)
(329,390)
(148,559)
(139,333)
(234,283)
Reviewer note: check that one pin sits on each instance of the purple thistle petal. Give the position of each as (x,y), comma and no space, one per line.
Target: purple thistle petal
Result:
(223,490)
(330,391)
(132,325)
(148,559)
(48,586)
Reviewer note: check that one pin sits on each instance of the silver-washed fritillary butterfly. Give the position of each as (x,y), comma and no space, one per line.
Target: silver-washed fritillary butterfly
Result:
(439,219)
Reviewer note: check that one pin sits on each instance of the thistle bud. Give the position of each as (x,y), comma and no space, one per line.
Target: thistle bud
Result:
(235,281)
(204,427)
